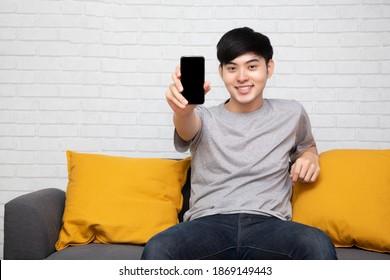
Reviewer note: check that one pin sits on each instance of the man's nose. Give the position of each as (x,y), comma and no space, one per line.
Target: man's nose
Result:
(242,75)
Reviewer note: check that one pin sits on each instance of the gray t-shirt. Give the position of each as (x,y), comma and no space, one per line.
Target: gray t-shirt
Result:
(240,161)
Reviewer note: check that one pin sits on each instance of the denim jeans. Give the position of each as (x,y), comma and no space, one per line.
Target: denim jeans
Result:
(239,236)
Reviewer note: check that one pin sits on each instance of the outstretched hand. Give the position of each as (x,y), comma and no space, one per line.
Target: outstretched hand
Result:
(174,95)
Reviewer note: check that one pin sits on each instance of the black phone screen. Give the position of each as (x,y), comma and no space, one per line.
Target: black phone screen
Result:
(192,78)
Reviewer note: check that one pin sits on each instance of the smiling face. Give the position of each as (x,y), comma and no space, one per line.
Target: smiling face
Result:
(245,78)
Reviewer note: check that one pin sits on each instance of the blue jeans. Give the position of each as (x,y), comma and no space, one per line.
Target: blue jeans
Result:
(239,236)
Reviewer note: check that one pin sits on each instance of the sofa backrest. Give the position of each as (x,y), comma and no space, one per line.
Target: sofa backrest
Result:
(186,195)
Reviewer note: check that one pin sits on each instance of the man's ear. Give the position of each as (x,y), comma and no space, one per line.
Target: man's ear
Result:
(270,68)
(220,70)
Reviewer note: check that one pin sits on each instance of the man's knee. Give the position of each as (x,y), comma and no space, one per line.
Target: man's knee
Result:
(157,248)
(318,245)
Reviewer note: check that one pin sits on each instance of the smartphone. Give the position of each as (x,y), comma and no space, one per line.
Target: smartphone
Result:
(192,78)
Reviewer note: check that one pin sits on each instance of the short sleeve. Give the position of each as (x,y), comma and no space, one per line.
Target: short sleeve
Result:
(304,136)
(180,145)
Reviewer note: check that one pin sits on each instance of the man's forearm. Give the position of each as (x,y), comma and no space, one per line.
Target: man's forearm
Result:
(312,149)
(187,126)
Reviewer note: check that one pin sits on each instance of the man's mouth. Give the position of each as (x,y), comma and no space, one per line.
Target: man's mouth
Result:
(244,89)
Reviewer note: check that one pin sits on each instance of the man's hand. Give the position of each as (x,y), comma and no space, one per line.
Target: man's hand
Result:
(175,98)
(306,168)
(186,122)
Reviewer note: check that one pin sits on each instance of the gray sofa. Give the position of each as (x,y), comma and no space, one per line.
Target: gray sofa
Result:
(32,223)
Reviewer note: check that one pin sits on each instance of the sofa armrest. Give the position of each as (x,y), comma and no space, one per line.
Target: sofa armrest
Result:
(32,223)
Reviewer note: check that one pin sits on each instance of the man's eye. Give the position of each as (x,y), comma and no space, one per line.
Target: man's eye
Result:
(231,69)
(252,67)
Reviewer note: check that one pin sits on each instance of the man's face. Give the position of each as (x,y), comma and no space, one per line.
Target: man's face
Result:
(245,78)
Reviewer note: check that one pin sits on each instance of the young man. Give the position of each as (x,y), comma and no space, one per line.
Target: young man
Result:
(241,186)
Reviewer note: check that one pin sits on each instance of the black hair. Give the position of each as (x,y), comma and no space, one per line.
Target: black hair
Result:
(240,41)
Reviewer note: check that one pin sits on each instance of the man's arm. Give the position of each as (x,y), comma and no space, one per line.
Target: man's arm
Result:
(186,122)
(306,167)
(187,126)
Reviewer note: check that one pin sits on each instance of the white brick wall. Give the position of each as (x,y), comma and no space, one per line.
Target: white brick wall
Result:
(90,76)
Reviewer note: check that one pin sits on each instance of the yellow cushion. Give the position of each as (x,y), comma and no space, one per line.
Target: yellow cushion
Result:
(350,201)
(113,199)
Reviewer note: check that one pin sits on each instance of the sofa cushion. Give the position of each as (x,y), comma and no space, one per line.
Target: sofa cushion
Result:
(353,253)
(350,199)
(99,252)
(111,199)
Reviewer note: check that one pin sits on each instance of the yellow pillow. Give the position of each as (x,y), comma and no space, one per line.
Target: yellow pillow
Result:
(350,201)
(113,199)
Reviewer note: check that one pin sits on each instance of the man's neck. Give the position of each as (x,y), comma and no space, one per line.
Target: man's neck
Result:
(235,107)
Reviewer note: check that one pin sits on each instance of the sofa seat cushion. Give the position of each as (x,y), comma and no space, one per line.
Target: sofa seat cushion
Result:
(353,253)
(134,252)
(99,252)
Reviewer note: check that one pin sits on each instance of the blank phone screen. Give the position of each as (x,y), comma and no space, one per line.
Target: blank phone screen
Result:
(192,78)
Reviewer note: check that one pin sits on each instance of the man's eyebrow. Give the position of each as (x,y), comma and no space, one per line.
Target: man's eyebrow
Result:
(231,62)
(252,60)
(247,62)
